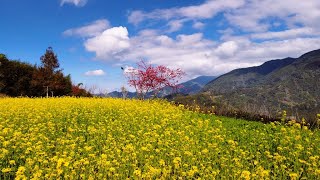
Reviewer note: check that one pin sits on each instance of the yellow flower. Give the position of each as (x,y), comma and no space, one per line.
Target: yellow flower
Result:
(105,138)
(204,151)
(12,162)
(112,169)
(162,162)
(293,176)
(20,173)
(176,162)
(192,171)
(137,172)
(5,170)
(245,175)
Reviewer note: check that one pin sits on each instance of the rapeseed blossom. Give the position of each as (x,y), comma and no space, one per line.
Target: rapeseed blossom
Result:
(95,138)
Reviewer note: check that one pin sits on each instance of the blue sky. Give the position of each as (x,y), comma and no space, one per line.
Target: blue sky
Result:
(94,38)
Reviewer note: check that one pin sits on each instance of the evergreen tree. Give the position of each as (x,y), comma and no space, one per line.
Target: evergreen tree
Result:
(50,61)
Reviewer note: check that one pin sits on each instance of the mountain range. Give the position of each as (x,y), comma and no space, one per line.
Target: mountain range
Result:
(192,86)
(291,84)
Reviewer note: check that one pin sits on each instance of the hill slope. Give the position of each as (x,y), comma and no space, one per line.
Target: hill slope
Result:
(291,83)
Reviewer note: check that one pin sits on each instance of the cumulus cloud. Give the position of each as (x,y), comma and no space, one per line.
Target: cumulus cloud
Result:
(97,72)
(110,44)
(93,29)
(78,3)
(226,49)
(193,53)
(287,28)
(198,56)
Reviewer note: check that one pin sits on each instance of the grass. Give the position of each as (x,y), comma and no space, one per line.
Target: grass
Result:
(73,138)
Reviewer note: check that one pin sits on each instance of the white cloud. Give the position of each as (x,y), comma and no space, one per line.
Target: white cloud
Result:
(176,17)
(161,49)
(193,53)
(227,49)
(136,17)
(203,11)
(198,56)
(129,70)
(93,29)
(273,29)
(78,3)
(97,72)
(286,34)
(247,15)
(175,25)
(198,25)
(110,44)
(278,49)
(148,32)
(209,9)
(254,16)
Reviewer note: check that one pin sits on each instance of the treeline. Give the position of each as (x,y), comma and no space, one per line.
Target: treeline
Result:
(23,79)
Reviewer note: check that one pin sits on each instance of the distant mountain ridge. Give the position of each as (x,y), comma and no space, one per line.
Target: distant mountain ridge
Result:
(285,84)
(192,86)
(245,77)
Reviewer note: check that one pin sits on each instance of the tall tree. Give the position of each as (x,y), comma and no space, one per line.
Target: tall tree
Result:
(49,60)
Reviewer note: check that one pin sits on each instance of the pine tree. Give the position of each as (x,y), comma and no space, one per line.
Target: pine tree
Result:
(50,61)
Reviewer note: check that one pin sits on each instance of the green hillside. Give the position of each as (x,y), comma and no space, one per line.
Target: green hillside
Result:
(290,84)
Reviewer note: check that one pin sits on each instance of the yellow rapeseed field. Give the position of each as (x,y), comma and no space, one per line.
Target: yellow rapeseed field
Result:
(83,138)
